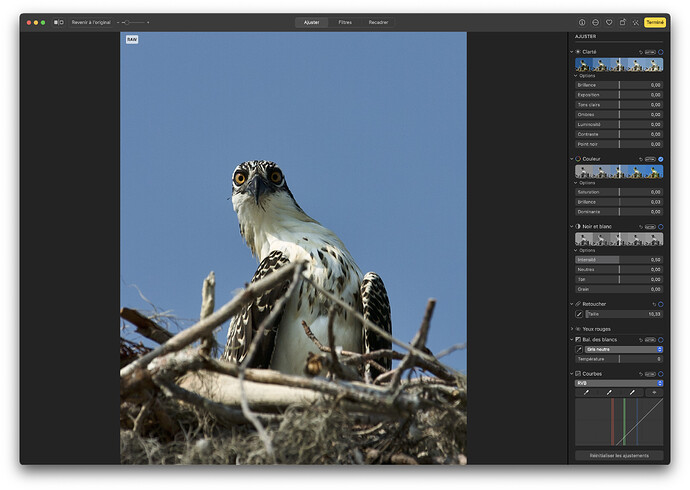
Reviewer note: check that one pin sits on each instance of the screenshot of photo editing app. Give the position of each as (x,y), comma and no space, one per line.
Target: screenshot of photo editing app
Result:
(345,239)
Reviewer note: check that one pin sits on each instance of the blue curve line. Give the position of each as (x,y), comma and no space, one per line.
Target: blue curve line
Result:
(637,421)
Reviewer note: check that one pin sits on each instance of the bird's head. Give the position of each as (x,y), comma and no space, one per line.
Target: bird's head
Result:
(263,201)
(259,183)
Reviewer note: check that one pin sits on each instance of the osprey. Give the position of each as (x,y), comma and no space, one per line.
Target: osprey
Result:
(278,232)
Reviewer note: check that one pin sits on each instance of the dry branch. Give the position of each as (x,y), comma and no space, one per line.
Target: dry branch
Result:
(174,365)
(372,326)
(419,342)
(206,325)
(224,413)
(434,368)
(208,303)
(258,336)
(273,316)
(451,349)
(131,351)
(313,338)
(138,422)
(145,326)
(235,394)
(261,397)
(270,398)
(334,366)
(401,458)
(208,295)
(374,397)
(355,358)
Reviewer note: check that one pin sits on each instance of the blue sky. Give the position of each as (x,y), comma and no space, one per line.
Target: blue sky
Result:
(369,129)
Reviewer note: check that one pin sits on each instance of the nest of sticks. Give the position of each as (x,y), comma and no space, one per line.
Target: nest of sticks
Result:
(180,405)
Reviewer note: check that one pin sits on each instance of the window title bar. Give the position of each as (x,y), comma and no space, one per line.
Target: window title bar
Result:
(55,22)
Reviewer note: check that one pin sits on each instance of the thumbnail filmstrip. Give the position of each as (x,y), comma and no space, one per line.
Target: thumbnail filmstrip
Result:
(619,239)
(619,64)
(619,171)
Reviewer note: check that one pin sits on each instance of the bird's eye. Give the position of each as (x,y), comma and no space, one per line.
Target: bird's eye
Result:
(240,178)
(276,176)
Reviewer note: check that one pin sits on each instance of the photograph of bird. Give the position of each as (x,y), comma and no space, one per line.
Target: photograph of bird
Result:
(279,232)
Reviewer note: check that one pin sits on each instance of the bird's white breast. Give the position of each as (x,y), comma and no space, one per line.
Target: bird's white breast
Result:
(330,265)
(279,224)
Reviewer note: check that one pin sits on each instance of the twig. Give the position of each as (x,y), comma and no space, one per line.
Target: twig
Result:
(313,338)
(208,302)
(433,381)
(435,369)
(335,364)
(386,376)
(362,360)
(450,350)
(251,416)
(349,356)
(370,430)
(208,295)
(145,326)
(401,458)
(376,328)
(206,325)
(418,342)
(139,421)
(269,320)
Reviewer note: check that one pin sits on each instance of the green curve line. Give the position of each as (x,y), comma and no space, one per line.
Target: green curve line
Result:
(624,431)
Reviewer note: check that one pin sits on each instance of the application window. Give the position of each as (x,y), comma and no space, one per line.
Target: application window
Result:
(346,239)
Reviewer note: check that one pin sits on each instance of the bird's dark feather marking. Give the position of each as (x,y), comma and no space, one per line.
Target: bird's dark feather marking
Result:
(376,308)
(244,325)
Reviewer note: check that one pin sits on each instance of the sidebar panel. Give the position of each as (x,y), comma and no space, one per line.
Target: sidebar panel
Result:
(619,257)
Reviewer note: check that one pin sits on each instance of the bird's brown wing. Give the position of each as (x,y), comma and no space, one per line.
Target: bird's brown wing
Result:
(244,325)
(377,309)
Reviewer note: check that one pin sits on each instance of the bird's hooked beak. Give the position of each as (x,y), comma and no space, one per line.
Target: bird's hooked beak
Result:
(256,187)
